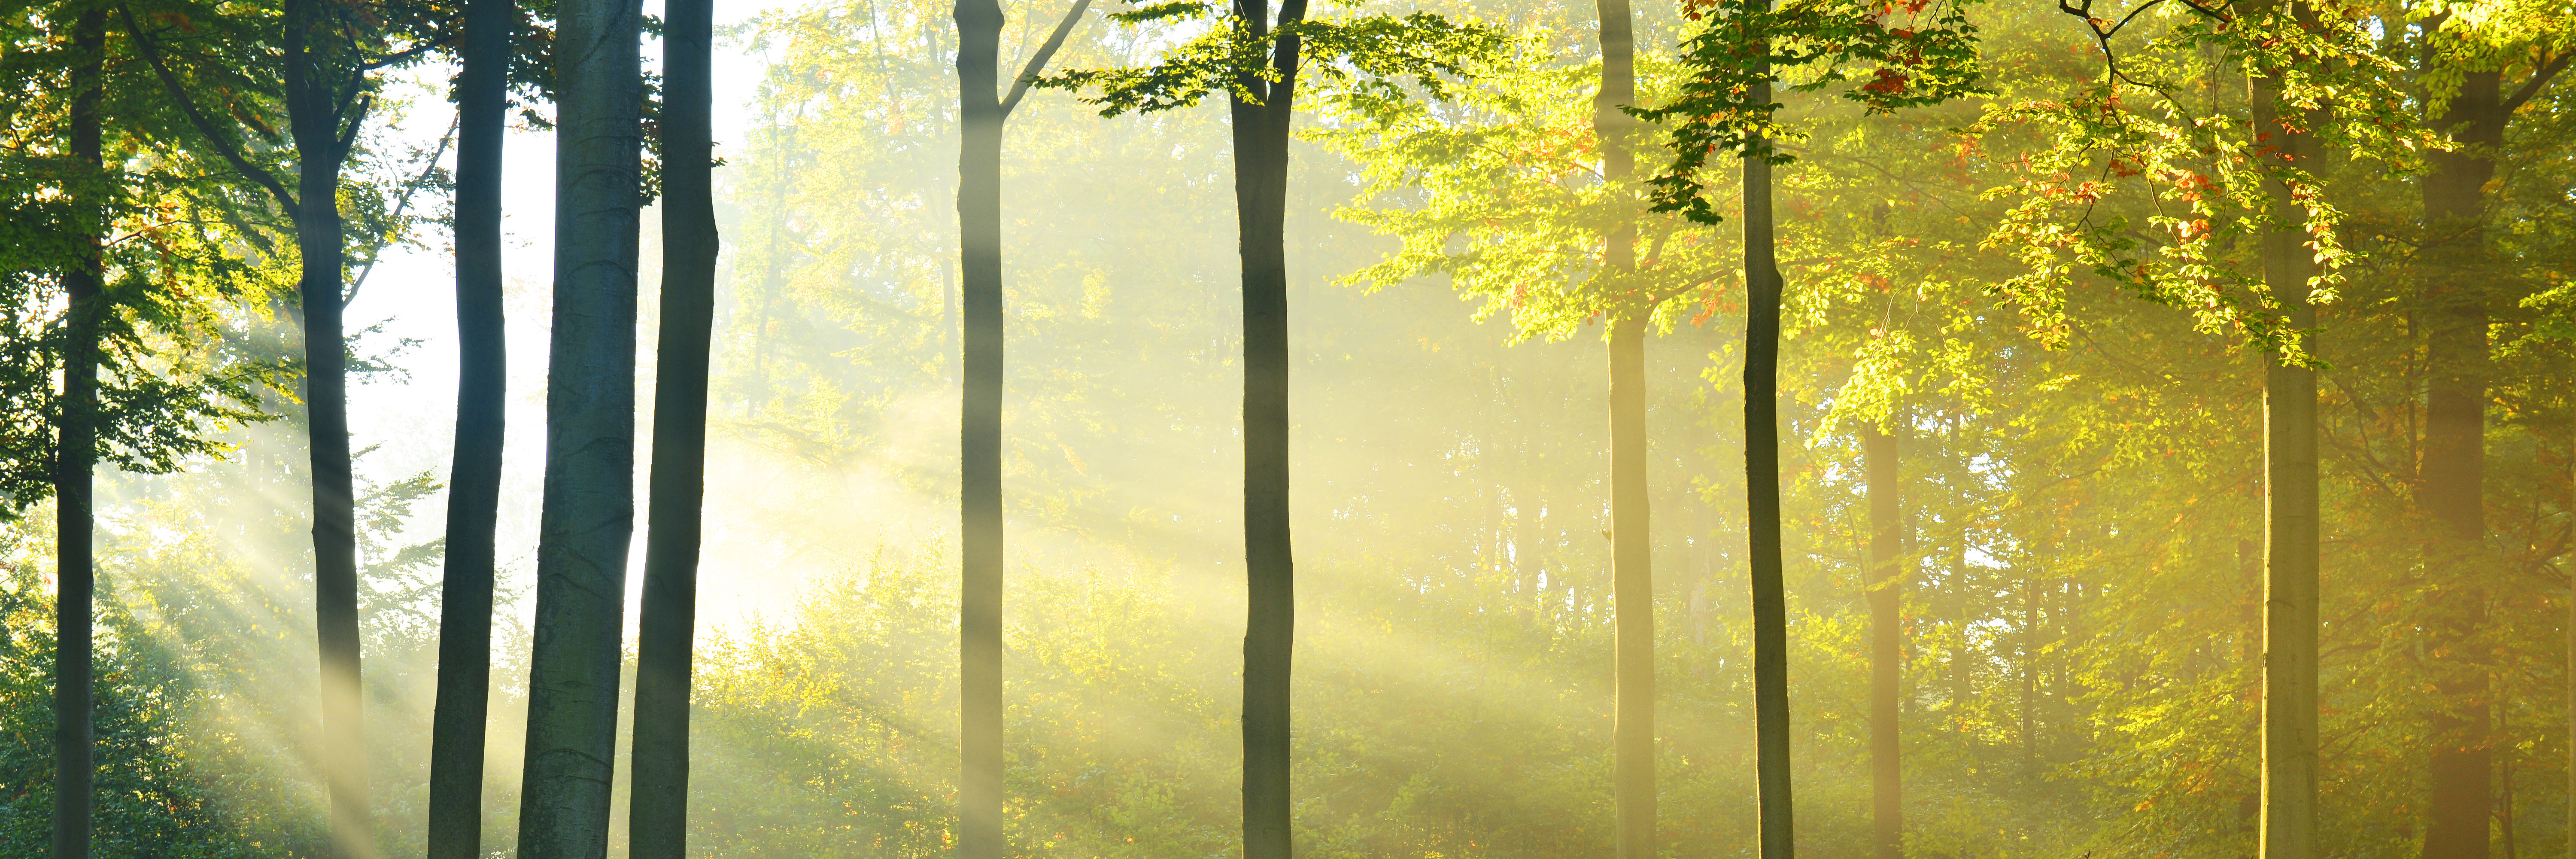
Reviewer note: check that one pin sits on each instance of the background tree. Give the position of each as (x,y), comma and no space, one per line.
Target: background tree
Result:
(982,110)
(1254,57)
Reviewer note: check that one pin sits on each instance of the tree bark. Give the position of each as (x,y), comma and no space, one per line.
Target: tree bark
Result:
(2454,460)
(474,481)
(1887,577)
(589,512)
(76,457)
(2290,527)
(1762,504)
(1632,594)
(1261,129)
(980,833)
(319,120)
(657,822)
(1632,583)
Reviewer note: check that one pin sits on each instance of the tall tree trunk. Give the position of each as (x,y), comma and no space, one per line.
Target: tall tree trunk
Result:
(474,481)
(1632,593)
(589,512)
(2290,535)
(1762,502)
(979,448)
(316,115)
(1270,624)
(1632,582)
(76,455)
(1886,642)
(658,818)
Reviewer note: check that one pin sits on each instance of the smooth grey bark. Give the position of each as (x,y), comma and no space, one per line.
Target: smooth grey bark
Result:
(658,818)
(2290,535)
(1880,452)
(76,461)
(1762,504)
(979,225)
(1260,127)
(979,627)
(457,726)
(589,512)
(1632,583)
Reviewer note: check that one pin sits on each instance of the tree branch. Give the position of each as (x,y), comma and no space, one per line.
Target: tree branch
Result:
(2540,76)
(400,204)
(1020,85)
(196,117)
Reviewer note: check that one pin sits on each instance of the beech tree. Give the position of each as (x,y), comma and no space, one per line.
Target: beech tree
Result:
(981,112)
(1254,54)
(589,505)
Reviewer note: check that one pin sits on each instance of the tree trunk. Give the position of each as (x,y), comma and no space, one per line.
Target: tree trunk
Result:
(1632,594)
(474,481)
(1632,582)
(1762,503)
(2289,825)
(658,818)
(76,458)
(589,512)
(1261,200)
(2454,460)
(317,118)
(1886,648)
(979,629)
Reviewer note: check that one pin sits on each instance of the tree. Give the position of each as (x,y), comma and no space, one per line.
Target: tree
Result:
(474,479)
(658,819)
(76,457)
(589,504)
(2463,66)
(1254,56)
(1890,566)
(1727,108)
(325,73)
(981,113)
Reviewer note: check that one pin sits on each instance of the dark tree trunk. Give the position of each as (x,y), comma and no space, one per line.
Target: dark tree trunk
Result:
(2454,463)
(76,456)
(1261,200)
(657,822)
(1886,642)
(315,113)
(1762,505)
(474,481)
(979,627)
(589,512)
(2290,536)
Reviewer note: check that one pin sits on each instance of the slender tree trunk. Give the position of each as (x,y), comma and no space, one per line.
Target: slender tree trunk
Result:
(2290,535)
(76,457)
(979,222)
(1762,504)
(1886,643)
(318,122)
(1261,199)
(589,513)
(2454,462)
(1632,582)
(657,822)
(474,481)
(1632,593)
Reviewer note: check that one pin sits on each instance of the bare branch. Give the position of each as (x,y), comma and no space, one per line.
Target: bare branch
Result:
(1020,85)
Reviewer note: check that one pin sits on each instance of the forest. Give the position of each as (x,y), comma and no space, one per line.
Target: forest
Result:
(1447,429)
